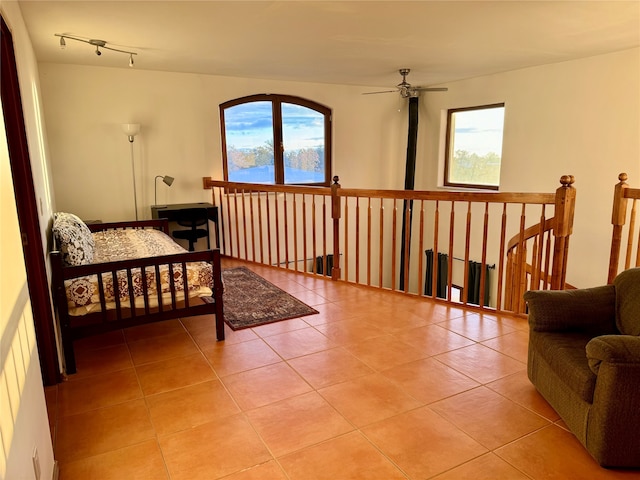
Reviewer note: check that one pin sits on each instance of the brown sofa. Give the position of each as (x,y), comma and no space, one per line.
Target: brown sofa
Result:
(584,358)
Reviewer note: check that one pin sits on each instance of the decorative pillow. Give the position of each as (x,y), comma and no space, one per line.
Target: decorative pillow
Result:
(73,238)
(627,286)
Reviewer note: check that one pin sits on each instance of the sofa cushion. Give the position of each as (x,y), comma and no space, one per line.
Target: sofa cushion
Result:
(565,353)
(627,286)
(73,239)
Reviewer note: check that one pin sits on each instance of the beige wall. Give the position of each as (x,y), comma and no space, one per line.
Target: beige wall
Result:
(580,118)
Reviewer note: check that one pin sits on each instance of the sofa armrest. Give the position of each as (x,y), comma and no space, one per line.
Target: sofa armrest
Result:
(614,349)
(588,310)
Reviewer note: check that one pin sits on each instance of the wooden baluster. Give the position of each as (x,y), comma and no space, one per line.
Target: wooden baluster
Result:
(451,239)
(235,209)
(485,239)
(314,228)
(252,222)
(467,245)
(260,232)
(394,244)
(421,250)
(381,254)
(325,262)
(521,260)
(304,231)
(276,208)
(244,224)
(407,246)
(357,240)
(369,241)
(295,233)
(335,215)
(435,263)
(268,206)
(221,223)
(501,272)
(346,239)
(632,227)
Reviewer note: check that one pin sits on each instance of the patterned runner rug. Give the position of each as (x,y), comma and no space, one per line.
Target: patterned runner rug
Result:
(250,300)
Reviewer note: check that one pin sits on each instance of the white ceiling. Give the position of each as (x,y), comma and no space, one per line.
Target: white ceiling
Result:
(341,42)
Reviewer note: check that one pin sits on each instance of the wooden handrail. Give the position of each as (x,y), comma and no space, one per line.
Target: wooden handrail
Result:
(359,231)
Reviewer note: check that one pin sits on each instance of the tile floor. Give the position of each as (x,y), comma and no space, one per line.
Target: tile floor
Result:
(376,386)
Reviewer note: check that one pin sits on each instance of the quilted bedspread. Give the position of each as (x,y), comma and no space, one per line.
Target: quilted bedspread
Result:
(113,245)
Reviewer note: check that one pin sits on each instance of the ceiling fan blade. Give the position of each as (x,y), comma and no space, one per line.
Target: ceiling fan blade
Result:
(384,91)
(431,89)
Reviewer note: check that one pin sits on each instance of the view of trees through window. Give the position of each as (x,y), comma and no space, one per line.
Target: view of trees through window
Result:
(255,125)
(474,146)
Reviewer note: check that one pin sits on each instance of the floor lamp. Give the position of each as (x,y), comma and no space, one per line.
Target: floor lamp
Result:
(131,130)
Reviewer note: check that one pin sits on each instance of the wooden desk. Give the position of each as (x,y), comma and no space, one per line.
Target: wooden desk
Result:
(172,213)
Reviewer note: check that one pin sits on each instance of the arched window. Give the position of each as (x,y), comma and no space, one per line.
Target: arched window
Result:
(276,139)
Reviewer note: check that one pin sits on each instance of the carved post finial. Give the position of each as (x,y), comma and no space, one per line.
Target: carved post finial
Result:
(567,180)
(336,179)
(623,177)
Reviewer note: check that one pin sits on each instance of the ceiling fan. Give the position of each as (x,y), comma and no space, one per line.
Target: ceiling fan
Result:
(405,88)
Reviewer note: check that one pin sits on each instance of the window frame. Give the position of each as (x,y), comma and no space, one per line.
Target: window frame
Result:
(276,101)
(447,149)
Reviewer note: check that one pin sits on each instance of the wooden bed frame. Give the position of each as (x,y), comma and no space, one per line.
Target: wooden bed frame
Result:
(75,327)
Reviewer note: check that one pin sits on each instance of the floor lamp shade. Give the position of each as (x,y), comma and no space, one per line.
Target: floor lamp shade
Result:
(167,180)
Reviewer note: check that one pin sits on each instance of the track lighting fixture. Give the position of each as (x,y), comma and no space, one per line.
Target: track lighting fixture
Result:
(96,43)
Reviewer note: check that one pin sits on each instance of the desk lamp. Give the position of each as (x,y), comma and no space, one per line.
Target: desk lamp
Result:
(167,181)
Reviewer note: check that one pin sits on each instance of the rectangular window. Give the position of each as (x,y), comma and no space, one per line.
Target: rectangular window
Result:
(473,151)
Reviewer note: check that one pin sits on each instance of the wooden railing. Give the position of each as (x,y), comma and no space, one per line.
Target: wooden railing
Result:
(621,218)
(379,238)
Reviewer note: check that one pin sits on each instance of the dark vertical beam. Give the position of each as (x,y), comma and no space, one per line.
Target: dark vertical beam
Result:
(27,208)
(409,180)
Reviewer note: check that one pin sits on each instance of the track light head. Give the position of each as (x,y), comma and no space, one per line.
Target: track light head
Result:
(131,60)
(63,44)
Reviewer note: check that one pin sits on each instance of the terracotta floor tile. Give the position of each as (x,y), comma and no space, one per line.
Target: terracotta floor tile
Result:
(488,417)
(162,347)
(311,298)
(228,359)
(297,422)
(486,467)
(175,373)
(299,342)
(349,457)
(429,380)
(433,339)
(329,312)
(151,330)
(329,367)
(266,471)
(98,391)
(213,450)
(477,327)
(368,399)
(137,462)
(514,344)
(103,430)
(277,328)
(352,330)
(101,360)
(518,387)
(481,363)
(555,454)
(265,385)
(383,352)
(422,443)
(207,338)
(109,339)
(190,406)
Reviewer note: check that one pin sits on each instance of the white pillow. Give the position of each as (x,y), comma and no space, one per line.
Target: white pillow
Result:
(73,239)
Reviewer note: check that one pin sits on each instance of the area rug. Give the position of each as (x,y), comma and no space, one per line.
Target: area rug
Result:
(250,300)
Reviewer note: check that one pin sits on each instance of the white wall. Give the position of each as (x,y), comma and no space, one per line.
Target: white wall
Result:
(24,426)
(579,118)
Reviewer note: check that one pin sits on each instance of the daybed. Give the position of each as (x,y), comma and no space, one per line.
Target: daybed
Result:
(108,276)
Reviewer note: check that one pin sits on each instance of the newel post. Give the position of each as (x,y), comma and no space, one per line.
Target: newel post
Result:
(564,210)
(335,215)
(618,217)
